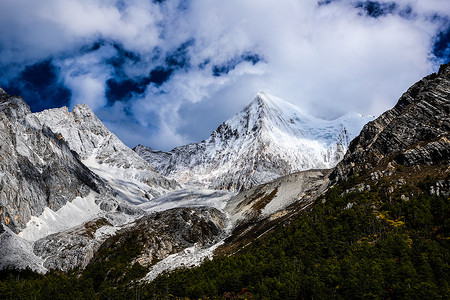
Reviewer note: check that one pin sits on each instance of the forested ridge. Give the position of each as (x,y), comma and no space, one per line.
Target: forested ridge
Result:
(387,238)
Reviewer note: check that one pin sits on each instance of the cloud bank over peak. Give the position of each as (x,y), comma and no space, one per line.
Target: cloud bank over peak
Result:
(165,73)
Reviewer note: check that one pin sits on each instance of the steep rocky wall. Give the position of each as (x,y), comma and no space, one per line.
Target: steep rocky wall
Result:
(415,131)
(37,168)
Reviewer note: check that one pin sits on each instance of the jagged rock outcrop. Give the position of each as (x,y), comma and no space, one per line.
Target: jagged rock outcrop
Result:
(134,179)
(37,167)
(414,132)
(163,233)
(157,234)
(268,139)
(75,247)
(157,158)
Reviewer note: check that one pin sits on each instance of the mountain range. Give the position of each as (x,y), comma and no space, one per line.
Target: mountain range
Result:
(114,186)
(375,226)
(273,198)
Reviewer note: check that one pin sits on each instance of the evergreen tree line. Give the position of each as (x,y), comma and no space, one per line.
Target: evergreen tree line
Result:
(370,244)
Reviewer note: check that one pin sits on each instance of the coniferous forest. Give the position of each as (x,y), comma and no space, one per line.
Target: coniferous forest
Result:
(387,241)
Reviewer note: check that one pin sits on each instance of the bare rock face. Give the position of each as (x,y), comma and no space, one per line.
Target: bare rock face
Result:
(72,248)
(75,246)
(414,132)
(37,168)
(157,235)
(163,233)
(158,159)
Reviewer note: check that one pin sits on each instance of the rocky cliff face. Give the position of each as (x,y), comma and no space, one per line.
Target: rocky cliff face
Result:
(163,233)
(134,179)
(268,139)
(414,132)
(74,247)
(37,167)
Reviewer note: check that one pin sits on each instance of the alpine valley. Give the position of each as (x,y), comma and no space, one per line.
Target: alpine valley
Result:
(275,203)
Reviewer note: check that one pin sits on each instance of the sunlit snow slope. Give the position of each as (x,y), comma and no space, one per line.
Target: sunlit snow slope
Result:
(269,138)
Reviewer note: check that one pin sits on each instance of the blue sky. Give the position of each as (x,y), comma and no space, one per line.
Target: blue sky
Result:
(166,73)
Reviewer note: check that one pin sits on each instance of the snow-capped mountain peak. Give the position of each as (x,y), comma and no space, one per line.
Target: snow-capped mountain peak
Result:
(270,137)
(277,115)
(268,112)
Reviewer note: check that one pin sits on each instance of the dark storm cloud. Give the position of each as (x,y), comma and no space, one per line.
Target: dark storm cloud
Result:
(39,84)
(377,9)
(231,64)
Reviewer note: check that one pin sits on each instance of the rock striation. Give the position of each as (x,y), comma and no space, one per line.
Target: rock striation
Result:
(37,167)
(414,132)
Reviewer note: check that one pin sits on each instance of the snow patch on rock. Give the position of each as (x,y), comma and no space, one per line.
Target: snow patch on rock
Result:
(188,258)
(74,213)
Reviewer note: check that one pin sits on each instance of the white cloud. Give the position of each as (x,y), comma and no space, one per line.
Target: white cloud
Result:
(135,26)
(87,89)
(327,59)
(85,76)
